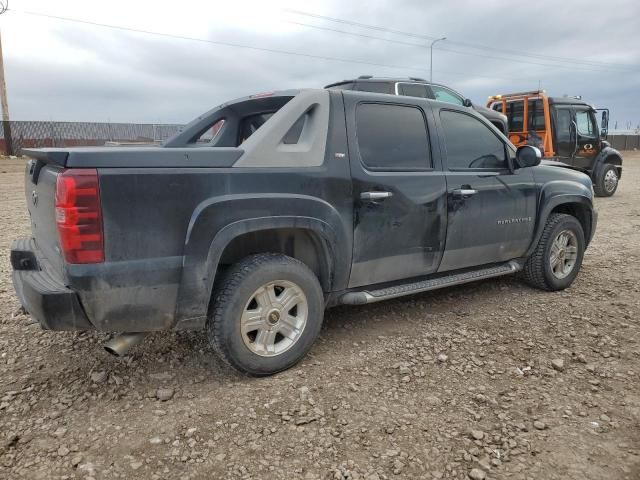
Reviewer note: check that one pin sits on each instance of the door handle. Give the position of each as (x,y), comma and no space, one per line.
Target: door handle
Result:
(373,196)
(464,192)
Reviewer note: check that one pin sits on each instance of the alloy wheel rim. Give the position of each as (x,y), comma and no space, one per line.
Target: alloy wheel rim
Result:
(610,180)
(564,253)
(274,318)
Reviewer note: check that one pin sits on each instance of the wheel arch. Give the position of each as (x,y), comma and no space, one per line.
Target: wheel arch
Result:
(579,206)
(581,212)
(305,243)
(311,240)
(608,156)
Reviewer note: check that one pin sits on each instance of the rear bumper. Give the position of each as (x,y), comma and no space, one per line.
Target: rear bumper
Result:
(45,297)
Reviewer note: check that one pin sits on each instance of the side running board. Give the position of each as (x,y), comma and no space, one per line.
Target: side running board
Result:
(371,296)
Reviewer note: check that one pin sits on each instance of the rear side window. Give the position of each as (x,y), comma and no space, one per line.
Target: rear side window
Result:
(412,90)
(535,120)
(375,87)
(470,143)
(392,137)
(515,114)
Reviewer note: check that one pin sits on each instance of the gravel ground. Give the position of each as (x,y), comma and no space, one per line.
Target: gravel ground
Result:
(489,380)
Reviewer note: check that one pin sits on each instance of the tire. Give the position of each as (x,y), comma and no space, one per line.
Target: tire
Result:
(606,182)
(538,271)
(266,313)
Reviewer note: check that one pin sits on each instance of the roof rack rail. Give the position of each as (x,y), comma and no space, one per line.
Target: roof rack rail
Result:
(364,77)
(517,94)
(417,79)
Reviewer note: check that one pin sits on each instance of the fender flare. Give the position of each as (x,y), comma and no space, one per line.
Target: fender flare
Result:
(216,223)
(547,207)
(224,237)
(602,159)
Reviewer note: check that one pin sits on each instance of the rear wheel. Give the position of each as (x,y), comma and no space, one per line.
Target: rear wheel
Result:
(267,312)
(556,260)
(606,182)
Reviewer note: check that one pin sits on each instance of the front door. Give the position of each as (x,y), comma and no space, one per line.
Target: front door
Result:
(491,209)
(588,141)
(399,190)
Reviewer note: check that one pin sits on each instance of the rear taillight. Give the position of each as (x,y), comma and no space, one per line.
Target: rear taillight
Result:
(79,216)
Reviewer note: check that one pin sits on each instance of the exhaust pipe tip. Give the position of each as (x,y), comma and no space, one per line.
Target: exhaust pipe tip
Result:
(121,344)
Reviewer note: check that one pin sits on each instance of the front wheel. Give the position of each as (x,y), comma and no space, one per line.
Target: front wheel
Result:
(267,311)
(606,182)
(556,260)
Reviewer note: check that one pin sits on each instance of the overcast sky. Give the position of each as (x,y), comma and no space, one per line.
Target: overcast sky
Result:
(61,70)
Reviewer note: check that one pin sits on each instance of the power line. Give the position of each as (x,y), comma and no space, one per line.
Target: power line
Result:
(420,45)
(548,57)
(354,34)
(553,65)
(468,45)
(235,45)
(358,24)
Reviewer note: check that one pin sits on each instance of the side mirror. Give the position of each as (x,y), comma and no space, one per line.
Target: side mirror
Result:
(467,102)
(528,156)
(604,124)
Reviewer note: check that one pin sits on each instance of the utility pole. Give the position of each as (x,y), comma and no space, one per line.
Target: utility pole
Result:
(6,125)
(431,57)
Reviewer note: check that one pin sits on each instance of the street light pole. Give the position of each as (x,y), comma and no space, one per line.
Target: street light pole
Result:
(431,61)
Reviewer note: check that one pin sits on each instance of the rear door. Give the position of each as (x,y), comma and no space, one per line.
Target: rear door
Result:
(564,133)
(491,210)
(399,190)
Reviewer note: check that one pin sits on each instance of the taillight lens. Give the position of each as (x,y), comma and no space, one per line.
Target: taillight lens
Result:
(79,216)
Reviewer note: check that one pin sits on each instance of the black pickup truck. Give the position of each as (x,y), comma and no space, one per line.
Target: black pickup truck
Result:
(268,209)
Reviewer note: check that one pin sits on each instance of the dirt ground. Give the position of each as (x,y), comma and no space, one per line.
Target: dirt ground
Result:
(454,384)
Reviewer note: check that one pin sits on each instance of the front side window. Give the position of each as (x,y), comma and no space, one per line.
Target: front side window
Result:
(392,137)
(584,121)
(445,95)
(470,143)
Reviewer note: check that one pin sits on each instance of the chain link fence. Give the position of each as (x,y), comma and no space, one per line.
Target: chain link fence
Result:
(38,134)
